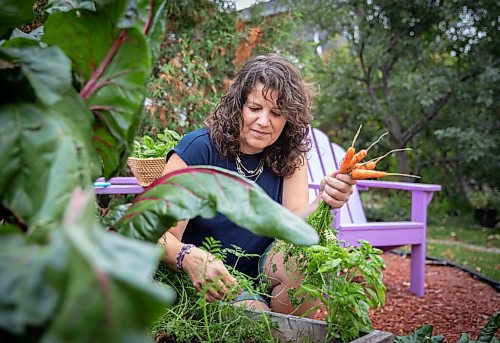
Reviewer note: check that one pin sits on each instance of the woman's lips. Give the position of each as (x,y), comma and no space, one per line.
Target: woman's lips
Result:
(259,134)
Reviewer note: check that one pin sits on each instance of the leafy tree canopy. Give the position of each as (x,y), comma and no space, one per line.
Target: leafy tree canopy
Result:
(426,71)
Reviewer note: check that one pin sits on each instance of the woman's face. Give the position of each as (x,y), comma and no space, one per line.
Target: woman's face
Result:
(262,121)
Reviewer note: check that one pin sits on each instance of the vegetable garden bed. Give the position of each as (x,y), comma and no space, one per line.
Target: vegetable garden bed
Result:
(296,329)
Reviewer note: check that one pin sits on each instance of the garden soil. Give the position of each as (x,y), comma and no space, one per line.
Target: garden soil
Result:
(454,302)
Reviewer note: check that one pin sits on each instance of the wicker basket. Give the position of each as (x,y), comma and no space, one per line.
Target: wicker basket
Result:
(146,170)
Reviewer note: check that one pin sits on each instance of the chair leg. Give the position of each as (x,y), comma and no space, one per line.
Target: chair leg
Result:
(417,272)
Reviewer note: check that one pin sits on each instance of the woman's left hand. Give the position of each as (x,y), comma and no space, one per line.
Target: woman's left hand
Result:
(336,189)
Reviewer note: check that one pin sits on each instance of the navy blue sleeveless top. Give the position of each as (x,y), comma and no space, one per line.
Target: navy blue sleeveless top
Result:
(196,148)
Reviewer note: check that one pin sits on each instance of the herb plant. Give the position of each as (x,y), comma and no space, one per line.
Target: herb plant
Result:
(193,319)
(147,147)
(347,279)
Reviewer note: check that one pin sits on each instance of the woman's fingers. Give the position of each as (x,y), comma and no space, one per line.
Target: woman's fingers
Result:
(210,298)
(332,202)
(219,290)
(337,189)
(344,178)
(229,281)
(209,275)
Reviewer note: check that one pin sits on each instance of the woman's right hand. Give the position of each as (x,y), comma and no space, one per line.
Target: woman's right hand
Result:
(205,270)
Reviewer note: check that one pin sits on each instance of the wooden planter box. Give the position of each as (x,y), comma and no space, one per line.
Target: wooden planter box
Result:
(297,329)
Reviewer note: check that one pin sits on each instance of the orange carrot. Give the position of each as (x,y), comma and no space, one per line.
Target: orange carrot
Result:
(346,162)
(358,157)
(370,165)
(360,174)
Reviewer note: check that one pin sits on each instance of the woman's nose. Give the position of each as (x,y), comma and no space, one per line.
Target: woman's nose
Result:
(263,119)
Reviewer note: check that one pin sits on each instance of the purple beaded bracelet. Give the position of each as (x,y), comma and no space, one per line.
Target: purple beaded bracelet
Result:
(180,256)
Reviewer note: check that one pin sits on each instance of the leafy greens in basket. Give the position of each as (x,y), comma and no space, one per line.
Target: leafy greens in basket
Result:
(147,147)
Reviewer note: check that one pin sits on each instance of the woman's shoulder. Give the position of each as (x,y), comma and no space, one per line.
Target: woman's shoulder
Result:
(195,147)
(196,137)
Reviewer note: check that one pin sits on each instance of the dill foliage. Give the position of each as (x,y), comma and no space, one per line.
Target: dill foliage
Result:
(193,319)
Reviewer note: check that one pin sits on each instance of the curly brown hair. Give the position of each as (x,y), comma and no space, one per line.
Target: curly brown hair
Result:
(294,100)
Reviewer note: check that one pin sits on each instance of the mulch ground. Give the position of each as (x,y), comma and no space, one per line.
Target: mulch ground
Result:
(454,302)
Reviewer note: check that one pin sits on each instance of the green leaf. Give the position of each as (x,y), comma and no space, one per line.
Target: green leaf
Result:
(33,35)
(116,213)
(115,84)
(490,329)
(82,276)
(45,153)
(48,71)
(373,298)
(156,30)
(148,141)
(465,338)
(111,276)
(14,13)
(26,298)
(310,290)
(421,334)
(204,191)
(330,265)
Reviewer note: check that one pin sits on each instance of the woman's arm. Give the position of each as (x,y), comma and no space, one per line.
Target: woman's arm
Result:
(202,267)
(335,190)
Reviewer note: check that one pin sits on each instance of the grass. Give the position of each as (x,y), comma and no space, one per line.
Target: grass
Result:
(462,245)
(449,237)
(485,263)
(480,236)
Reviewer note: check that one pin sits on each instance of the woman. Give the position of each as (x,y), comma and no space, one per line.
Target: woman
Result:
(260,130)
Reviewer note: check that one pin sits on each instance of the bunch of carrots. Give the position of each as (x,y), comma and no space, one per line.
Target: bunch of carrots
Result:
(353,164)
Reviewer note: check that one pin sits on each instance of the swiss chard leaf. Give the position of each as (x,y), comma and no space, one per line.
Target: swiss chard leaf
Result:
(204,191)
(421,334)
(112,276)
(45,154)
(26,298)
(47,70)
(83,275)
(14,13)
(114,83)
(490,329)
(68,5)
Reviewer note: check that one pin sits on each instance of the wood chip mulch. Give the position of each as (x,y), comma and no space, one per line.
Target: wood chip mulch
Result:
(454,302)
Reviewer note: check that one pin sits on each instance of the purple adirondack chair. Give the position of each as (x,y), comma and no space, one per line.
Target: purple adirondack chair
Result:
(351,222)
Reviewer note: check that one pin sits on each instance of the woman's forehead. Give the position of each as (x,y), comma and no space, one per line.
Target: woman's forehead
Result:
(267,93)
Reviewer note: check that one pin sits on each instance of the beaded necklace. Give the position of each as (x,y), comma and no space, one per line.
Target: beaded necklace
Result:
(250,174)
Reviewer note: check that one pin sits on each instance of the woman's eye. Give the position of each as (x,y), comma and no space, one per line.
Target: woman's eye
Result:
(254,109)
(276,114)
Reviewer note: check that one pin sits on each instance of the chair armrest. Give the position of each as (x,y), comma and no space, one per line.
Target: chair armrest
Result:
(119,185)
(120,180)
(406,186)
